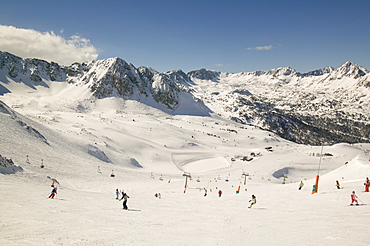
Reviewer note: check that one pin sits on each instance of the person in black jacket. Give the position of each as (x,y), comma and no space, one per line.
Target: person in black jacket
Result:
(124,198)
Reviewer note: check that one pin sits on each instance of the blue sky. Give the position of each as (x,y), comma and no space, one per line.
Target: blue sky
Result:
(229,36)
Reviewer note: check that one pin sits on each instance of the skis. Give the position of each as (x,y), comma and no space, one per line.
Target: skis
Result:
(355,205)
(137,210)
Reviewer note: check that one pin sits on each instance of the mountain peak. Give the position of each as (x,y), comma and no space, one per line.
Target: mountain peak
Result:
(349,69)
(282,71)
(204,74)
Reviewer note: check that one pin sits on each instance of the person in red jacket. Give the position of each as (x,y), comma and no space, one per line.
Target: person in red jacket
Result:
(354,198)
(367,185)
(219,193)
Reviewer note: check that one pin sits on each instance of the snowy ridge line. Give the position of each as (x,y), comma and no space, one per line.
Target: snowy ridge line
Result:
(327,105)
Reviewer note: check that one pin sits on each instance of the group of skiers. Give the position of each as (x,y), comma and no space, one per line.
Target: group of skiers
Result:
(253,201)
(354,197)
(124,196)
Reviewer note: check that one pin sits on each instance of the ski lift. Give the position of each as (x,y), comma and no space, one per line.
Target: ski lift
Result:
(198,180)
(284,178)
(186,175)
(161,178)
(112,175)
(245,177)
(42,163)
(151,175)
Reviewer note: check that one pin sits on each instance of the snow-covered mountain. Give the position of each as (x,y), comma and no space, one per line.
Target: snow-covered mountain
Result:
(326,105)
(90,129)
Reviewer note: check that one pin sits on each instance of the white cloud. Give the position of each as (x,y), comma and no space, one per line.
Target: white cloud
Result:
(28,43)
(219,65)
(258,48)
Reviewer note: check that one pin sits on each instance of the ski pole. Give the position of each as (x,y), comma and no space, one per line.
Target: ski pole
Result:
(360,200)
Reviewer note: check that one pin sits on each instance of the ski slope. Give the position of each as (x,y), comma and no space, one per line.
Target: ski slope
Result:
(81,141)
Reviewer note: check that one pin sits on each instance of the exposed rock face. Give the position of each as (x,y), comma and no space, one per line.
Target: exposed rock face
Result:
(105,78)
(327,105)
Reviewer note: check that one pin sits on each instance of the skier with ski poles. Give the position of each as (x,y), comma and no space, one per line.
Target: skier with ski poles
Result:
(354,198)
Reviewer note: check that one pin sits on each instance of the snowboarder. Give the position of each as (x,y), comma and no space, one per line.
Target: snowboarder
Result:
(124,198)
(354,198)
(53,193)
(367,185)
(219,193)
(117,194)
(205,192)
(337,184)
(252,201)
(301,185)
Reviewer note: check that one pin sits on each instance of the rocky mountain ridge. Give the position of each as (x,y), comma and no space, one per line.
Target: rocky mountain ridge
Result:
(326,105)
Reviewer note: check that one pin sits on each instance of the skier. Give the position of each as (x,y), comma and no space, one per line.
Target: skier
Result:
(53,193)
(117,194)
(354,198)
(300,185)
(337,184)
(252,201)
(124,198)
(205,192)
(219,193)
(367,185)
